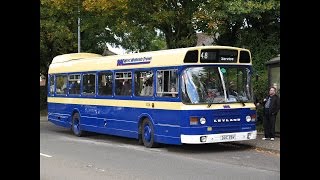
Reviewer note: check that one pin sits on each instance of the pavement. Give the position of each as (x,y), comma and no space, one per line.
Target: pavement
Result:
(258,143)
(43,118)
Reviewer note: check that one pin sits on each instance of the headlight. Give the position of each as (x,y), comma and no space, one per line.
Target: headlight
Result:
(202,120)
(248,118)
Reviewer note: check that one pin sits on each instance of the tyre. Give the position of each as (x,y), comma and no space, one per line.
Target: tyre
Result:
(76,125)
(148,134)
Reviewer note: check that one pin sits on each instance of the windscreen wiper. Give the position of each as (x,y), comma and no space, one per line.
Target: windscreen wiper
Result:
(239,99)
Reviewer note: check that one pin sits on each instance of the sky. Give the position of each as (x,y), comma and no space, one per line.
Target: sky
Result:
(117,50)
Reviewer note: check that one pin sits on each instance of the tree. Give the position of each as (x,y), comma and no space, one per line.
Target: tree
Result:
(57,33)
(103,22)
(253,24)
(174,18)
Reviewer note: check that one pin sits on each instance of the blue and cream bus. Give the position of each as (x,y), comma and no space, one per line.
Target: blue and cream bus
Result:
(189,95)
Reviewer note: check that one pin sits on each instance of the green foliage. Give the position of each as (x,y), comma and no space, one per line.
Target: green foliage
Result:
(259,127)
(262,47)
(59,28)
(158,43)
(57,33)
(260,90)
(139,38)
(43,98)
(135,21)
(260,87)
(94,33)
(173,18)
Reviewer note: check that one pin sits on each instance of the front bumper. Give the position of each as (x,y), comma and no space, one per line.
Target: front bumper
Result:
(215,138)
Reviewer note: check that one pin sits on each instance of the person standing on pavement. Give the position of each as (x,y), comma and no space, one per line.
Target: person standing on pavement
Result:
(271,106)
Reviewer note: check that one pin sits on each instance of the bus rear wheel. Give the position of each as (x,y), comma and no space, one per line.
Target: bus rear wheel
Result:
(76,125)
(148,134)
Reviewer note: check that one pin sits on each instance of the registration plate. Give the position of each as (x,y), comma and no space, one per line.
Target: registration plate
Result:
(228,137)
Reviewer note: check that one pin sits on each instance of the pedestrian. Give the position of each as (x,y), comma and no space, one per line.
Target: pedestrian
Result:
(271,106)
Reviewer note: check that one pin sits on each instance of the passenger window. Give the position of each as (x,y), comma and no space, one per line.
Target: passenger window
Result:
(105,83)
(123,84)
(74,83)
(51,85)
(61,84)
(89,81)
(143,83)
(167,83)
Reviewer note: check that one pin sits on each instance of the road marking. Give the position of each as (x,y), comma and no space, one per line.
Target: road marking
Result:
(134,147)
(45,155)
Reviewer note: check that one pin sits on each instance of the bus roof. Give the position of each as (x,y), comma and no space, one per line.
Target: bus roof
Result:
(73,56)
(78,62)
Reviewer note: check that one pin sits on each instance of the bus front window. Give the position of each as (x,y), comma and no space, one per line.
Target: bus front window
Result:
(202,85)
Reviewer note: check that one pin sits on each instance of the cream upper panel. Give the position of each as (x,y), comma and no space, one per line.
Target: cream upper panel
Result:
(93,62)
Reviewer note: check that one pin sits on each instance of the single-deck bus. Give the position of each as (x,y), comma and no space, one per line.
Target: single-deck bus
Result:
(189,95)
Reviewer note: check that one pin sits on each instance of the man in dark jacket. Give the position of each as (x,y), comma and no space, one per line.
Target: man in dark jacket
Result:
(271,106)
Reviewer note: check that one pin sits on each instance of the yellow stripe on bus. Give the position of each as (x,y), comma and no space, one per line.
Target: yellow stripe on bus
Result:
(144,104)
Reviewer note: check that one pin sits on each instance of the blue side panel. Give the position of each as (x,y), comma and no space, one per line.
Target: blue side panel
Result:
(167,131)
(168,124)
(61,119)
(109,120)
(116,132)
(120,121)
(59,123)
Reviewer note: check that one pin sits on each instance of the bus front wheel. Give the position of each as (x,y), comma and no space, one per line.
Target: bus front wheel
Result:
(148,134)
(76,125)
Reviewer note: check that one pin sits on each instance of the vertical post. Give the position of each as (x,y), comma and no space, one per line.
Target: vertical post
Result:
(79,47)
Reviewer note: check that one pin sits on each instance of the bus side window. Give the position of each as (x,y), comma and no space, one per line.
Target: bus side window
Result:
(143,83)
(126,88)
(89,81)
(51,84)
(167,83)
(74,83)
(61,84)
(123,82)
(105,83)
